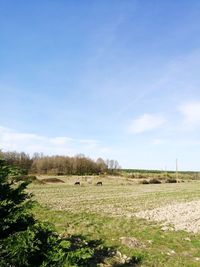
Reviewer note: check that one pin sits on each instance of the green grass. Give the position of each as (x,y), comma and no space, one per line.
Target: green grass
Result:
(106,213)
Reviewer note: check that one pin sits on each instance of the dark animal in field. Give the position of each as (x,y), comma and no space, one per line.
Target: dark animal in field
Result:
(99,183)
(77,183)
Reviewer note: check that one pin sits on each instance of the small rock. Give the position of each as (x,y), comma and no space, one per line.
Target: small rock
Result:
(124,256)
(122,261)
(128,259)
(118,254)
(165,228)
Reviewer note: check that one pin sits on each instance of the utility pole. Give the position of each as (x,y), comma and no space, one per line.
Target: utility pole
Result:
(176,168)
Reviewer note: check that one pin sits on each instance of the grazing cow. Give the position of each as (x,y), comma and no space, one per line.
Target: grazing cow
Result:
(77,183)
(99,183)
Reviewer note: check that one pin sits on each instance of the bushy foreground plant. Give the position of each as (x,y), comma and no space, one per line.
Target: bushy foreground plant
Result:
(24,241)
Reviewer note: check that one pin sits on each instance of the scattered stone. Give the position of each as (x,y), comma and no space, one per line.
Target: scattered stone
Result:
(124,256)
(122,260)
(118,254)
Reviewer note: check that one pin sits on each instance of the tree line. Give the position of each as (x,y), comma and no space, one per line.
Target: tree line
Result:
(59,165)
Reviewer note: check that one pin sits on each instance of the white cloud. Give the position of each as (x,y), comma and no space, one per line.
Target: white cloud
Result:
(191,113)
(146,122)
(12,140)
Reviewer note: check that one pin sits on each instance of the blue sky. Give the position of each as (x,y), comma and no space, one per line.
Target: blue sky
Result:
(107,78)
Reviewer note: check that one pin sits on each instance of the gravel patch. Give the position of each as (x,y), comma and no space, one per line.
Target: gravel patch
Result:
(183,216)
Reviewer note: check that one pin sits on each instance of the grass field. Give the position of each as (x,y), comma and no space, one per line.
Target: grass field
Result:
(107,212)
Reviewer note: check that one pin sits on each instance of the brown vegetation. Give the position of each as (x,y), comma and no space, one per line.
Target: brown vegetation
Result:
(59,165)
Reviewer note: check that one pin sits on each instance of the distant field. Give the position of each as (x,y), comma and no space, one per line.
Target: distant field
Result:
(139,174)
(107,212)
(158,171)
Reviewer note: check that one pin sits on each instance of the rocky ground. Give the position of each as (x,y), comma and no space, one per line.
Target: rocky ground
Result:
(181,216)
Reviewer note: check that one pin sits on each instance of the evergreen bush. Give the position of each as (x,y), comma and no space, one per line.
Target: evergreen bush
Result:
(26,242)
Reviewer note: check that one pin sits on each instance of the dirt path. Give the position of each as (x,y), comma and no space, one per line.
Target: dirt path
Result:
(183,216)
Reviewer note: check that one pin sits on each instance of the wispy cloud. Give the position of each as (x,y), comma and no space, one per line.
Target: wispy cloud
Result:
(178,78)
(146,122)
(13,140)
(191,113)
